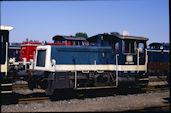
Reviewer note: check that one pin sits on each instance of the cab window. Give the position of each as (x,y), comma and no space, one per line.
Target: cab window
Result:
(129,46)
(141,47)
(116,46)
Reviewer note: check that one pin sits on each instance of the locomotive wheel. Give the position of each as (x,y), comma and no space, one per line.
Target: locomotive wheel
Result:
(32,83)
(44,84)
(49,90)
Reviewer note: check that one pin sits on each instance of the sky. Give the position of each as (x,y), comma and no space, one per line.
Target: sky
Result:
(41,20)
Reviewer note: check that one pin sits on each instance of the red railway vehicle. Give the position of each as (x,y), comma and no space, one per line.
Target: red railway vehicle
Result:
(70,40)
(28,50)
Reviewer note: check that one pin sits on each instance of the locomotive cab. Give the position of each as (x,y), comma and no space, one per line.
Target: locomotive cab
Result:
(130,56)
(131,49)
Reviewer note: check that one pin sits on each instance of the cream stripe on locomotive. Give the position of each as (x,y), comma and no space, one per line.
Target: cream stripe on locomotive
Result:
(96,68)
(14,47)
(159,50)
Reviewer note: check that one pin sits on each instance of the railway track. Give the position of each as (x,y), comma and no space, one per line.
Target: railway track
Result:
(155,88)
(162,108)
(155,84)
(33,99)
(20,86)
(155,79)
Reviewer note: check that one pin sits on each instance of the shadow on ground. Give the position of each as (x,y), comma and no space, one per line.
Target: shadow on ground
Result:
(67,94)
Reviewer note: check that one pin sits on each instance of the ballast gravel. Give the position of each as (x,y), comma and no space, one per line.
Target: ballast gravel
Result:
(110,103)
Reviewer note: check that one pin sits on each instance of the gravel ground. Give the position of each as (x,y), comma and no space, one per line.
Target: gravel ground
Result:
(111,103)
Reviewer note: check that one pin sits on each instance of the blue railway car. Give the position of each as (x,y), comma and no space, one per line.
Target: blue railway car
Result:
(14,57)
(159,59)
(6,81)
(14,52)
(111,60)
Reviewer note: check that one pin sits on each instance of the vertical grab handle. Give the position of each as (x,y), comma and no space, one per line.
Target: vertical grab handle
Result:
(75,79)
(53,65)
(6,62)
(117,69)
(146,59)
(138,54)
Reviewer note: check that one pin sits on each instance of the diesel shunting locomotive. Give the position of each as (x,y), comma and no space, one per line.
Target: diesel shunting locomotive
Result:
(110,61)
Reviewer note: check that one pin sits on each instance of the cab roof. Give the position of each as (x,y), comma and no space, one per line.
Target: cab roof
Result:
(117,36)
(8,28)
(61,37)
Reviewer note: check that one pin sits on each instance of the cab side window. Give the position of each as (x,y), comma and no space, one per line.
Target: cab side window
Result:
(116,46)
(129,46)
(141,47)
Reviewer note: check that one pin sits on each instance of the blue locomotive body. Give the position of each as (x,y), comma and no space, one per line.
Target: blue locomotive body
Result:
(159,59)
(109,61)
(81,55)
(14,52)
